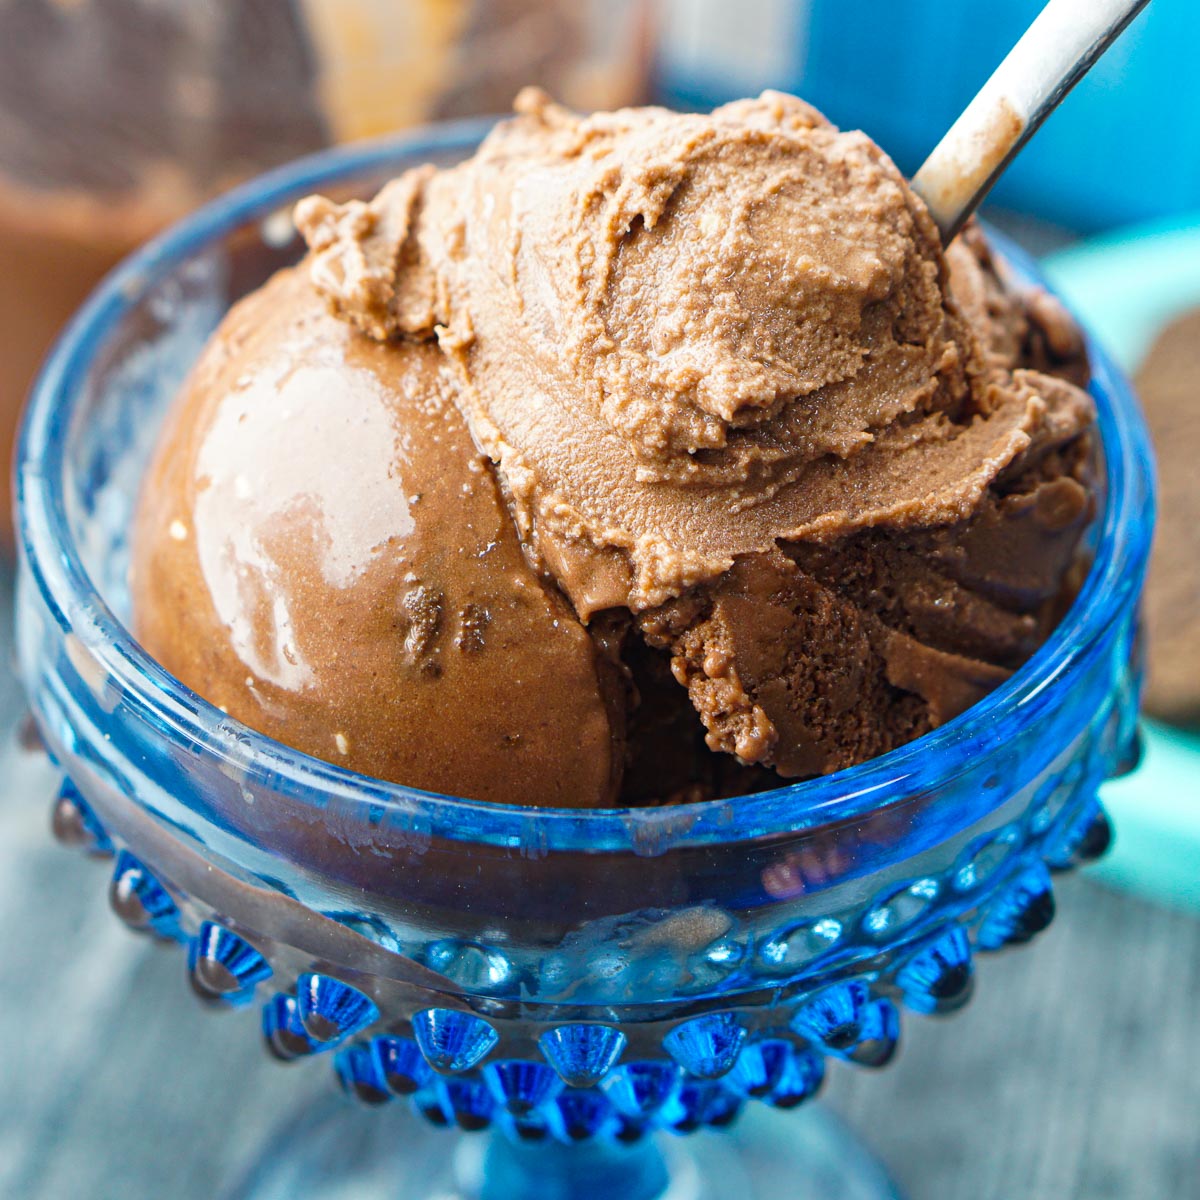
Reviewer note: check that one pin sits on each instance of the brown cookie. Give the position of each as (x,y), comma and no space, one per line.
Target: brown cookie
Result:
(1169,385)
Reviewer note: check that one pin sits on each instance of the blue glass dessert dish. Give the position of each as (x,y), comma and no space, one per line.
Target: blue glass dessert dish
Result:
(579,983)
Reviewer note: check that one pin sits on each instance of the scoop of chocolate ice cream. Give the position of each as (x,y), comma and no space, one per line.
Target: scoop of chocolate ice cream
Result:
(737,412)
(322,552)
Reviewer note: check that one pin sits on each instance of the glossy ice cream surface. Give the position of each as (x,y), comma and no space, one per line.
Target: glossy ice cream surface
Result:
(642,456)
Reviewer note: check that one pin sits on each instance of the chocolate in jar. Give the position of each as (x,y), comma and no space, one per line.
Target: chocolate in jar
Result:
(585,474)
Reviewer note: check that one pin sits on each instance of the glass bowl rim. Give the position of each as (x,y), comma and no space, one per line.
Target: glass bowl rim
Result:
(49,554)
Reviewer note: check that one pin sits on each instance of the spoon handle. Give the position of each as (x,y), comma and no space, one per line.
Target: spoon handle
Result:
(1054,53)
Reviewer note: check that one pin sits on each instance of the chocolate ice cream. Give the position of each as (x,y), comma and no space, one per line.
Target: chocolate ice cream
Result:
(323,553)
(679,395)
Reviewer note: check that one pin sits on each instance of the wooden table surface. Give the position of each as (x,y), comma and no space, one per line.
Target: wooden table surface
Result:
(1073,1075)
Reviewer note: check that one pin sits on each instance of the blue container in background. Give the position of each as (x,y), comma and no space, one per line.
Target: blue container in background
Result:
(1124,146)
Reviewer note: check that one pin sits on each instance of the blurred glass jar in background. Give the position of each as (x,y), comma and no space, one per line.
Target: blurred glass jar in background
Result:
(118,116)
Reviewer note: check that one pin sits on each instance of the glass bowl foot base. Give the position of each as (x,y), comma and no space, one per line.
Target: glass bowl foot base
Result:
(336,1151)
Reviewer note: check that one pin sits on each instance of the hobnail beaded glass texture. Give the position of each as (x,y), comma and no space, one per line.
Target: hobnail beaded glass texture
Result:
(564,976)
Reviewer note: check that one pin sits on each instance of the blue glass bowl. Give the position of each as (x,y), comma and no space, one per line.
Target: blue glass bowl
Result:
(574,979)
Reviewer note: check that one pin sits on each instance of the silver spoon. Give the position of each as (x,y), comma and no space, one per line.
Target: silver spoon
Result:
(1053,55)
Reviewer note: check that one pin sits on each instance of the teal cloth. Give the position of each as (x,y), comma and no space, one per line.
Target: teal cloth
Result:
(1156,813)
(1126,287)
